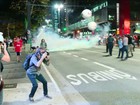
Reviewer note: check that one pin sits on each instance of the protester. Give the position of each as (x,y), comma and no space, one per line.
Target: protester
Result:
(110,41)
(4,56)
(43,43)
(125,47)
(130,46)
(34,74)
(18,47)
(106,43)
(120,45)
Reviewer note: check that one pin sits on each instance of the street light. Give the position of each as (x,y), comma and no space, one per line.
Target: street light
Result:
(59,7)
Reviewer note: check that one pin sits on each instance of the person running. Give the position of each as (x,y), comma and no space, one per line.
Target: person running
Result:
(34,74)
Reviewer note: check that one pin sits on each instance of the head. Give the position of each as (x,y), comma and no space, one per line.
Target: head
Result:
(18,38)
(40,51)
(110,35)
(42,40)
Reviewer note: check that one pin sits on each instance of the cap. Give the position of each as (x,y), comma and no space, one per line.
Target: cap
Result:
(1,37)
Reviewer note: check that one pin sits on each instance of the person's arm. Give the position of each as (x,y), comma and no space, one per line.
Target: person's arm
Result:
(6,56)
(38,63)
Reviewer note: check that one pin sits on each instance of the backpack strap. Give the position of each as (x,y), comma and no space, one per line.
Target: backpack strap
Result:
(30,60)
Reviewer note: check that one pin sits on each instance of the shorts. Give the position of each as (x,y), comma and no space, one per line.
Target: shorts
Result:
(18,53)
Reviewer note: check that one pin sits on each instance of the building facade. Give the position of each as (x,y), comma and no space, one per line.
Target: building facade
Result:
(123,15)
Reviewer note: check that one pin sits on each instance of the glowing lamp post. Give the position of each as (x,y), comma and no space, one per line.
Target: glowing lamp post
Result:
(59,7)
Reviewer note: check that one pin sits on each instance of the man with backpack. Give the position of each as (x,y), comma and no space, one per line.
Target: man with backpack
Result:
(33,72)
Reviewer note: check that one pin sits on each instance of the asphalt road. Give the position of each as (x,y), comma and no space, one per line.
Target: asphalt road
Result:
(96,78)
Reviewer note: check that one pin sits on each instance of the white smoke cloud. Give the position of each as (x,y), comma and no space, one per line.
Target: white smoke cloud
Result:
(56,43)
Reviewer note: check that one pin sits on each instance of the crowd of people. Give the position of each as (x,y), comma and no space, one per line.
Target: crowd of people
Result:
(125,43)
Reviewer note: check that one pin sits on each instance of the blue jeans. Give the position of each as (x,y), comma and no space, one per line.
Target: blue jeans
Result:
(125,49)
(33,78)
(120,52)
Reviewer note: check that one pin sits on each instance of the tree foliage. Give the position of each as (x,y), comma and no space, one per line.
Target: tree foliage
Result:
(38,11)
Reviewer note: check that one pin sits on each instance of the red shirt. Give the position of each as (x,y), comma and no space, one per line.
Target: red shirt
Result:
(18,46)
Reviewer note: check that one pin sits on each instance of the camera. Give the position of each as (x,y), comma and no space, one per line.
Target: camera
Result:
(48,53)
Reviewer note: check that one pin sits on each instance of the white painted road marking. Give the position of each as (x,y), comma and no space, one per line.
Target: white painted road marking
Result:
(98,76)
(111,68)
(84,59)
(105,75)
(75,55)
(52,79)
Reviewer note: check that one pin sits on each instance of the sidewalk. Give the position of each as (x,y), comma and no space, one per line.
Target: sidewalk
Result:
(19,96)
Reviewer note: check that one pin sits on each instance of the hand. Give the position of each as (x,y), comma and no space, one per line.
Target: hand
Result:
(44,55)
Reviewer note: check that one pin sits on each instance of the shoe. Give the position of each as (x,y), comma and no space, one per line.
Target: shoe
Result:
(31,99)
(48,96)
(118,57)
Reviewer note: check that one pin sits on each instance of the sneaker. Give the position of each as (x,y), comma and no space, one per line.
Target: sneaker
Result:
(31,99)
(48,97)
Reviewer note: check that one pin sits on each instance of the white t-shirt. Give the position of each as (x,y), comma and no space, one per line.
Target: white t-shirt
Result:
(125,41)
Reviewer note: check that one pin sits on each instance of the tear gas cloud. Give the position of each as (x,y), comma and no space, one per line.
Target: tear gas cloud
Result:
(57,43)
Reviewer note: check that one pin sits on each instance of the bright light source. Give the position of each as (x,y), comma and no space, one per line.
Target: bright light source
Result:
(43,26)
(137,23)
(59,30)
(47,21)
(58,6)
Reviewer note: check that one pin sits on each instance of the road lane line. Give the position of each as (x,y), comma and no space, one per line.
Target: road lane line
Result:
(52,79)
(75,55)
(69,53)
(97,63)
(84,59)
(72,95)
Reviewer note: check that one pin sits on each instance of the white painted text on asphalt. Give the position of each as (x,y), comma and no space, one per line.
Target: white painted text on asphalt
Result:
(98,76)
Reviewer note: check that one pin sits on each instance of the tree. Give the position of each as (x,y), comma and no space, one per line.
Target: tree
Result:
(38,11)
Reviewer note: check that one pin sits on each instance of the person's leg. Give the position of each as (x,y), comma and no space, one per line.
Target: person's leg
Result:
(119,53)
(32,78)
(122,52)
(18,56)
(44,82)
(111,49)
(126,50)
(106,48)
(131,49)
